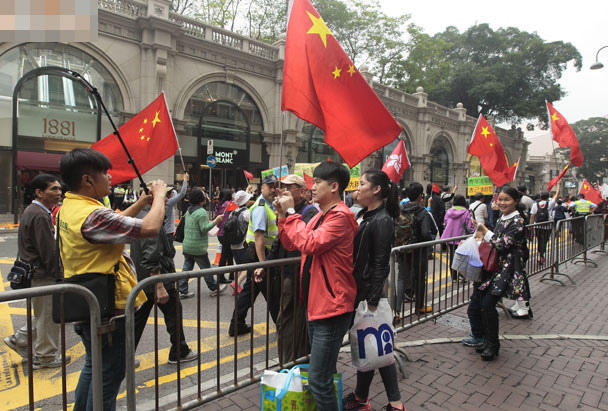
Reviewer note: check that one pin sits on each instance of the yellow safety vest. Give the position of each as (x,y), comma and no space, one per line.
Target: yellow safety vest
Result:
(272,229)
(80,256)
(582,206)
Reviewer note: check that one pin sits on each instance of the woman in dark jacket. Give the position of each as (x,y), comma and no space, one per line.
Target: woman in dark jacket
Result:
(372,251)
(221,209)
(511,281)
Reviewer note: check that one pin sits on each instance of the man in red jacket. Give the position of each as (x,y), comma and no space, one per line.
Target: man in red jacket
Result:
(328,286)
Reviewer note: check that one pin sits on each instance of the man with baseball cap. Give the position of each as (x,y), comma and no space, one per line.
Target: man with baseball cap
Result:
(291,324)
(261,233)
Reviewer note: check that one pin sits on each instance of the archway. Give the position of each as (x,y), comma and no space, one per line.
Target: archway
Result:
(442,159)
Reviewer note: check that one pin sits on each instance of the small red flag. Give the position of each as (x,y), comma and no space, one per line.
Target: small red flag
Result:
(564,135)
(322,86)
(231,206)
(149,136)
(486,146)
(309,181)
(248,175)
(591,193)
(555,179)
(397,163)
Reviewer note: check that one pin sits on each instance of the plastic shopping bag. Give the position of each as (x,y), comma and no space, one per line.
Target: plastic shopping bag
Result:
(466,259)
(288,390)
(372,337)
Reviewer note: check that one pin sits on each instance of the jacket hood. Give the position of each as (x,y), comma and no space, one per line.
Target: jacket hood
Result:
(411,208)
(342,208)
(455,213)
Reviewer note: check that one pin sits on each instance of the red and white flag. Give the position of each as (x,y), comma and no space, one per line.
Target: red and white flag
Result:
(397,163)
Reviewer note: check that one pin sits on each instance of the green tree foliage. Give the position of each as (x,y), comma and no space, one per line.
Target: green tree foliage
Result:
(505,72)
(593,137)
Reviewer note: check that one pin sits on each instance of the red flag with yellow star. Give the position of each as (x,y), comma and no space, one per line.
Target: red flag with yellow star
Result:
(591,194)
(564,135)
(486,146)
(555,179)
(149,136)
(322,86)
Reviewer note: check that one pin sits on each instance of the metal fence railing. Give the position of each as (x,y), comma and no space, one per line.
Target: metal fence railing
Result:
(421,287)
(95,322)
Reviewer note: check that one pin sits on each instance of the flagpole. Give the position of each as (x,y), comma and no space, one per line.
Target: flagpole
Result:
(281,150)
(97,96)
(552,141)
(179,148)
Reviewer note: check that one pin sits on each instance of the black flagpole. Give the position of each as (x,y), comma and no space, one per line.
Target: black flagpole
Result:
(95,92)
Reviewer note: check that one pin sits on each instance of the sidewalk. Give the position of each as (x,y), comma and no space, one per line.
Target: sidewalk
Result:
(557,361)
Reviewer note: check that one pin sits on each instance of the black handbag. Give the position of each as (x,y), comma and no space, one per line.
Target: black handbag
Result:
(179,231)
(20,275)
(75,306)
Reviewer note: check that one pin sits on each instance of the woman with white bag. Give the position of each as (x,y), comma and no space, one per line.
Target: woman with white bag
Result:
(372,250)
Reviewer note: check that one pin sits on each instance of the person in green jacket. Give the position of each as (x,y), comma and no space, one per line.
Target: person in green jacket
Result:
(196,240)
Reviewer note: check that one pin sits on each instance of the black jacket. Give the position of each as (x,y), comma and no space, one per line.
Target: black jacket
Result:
(425,229)
(153,255)
(36,242)
(438,210)
(372,253)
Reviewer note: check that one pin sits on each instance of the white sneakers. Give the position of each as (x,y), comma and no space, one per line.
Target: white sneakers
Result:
(521,310)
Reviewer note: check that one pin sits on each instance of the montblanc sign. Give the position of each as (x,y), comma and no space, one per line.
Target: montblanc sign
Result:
(226,157)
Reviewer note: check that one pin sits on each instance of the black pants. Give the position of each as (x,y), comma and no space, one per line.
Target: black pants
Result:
(171,310)
(489,317)
(474,312)
(270,287)
(226,257)
(542,235)
(389,379)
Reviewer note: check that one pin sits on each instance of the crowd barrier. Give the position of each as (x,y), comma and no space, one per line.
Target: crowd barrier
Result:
(426,281)
(95,323)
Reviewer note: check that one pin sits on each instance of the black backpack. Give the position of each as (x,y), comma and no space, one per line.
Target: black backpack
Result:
(542,212)
(235,229)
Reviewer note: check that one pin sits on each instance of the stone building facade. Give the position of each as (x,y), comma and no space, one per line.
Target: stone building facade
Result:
(218,85)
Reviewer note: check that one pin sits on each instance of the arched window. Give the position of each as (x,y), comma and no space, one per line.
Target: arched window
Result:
(441,161)
(314,149)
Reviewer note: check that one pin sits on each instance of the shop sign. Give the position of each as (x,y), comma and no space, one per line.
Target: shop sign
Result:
(57,124)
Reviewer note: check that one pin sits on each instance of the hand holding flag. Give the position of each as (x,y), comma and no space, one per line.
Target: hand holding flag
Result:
(555,179)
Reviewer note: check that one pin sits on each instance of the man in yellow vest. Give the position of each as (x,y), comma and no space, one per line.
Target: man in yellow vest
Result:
(261,233)
(581,208)
(92,239)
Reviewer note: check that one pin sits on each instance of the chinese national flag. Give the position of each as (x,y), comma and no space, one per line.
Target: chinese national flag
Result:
(397,163)
(486,146)
(554,181)
(248,175)
(322,86)
(591,193)
(564,135)
(309,181)
(149,137)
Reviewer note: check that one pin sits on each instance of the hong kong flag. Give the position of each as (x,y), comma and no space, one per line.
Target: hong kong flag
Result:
(150,138)
(322,86)
(397,163)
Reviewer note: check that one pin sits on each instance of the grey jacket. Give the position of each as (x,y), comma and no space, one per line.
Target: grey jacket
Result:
(36,242)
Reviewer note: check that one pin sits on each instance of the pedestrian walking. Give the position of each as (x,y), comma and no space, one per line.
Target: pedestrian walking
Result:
(222,208)
(37,247)
(196,242)
(372,252)
(510,242)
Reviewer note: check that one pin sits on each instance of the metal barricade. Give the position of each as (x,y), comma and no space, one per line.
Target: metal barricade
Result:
(595,230)
(420,289)
(207,393)
(540,245)
(95,321)
(568,242)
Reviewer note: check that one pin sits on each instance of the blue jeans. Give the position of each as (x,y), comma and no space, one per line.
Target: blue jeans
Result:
(112,367)
(326,337)
(203,262)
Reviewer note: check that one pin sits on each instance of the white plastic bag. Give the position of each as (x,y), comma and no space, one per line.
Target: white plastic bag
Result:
(466,259)
(372,337)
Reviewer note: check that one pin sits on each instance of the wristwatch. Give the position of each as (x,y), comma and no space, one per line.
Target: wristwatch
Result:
(290,211)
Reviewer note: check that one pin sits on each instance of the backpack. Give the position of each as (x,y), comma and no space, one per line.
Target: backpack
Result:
(405,230)
(542,213)
(235,228)
(179,231)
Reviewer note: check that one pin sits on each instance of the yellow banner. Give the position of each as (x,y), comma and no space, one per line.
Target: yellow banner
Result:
(353,184)
(485,190)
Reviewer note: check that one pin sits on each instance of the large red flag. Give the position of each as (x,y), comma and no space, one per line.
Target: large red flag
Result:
(591,193)
(555,179)
(486,146)
(149,137)
(397,163)
(564,135)
(322,86)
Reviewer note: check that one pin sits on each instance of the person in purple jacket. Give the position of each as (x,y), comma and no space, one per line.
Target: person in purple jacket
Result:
(457,222)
